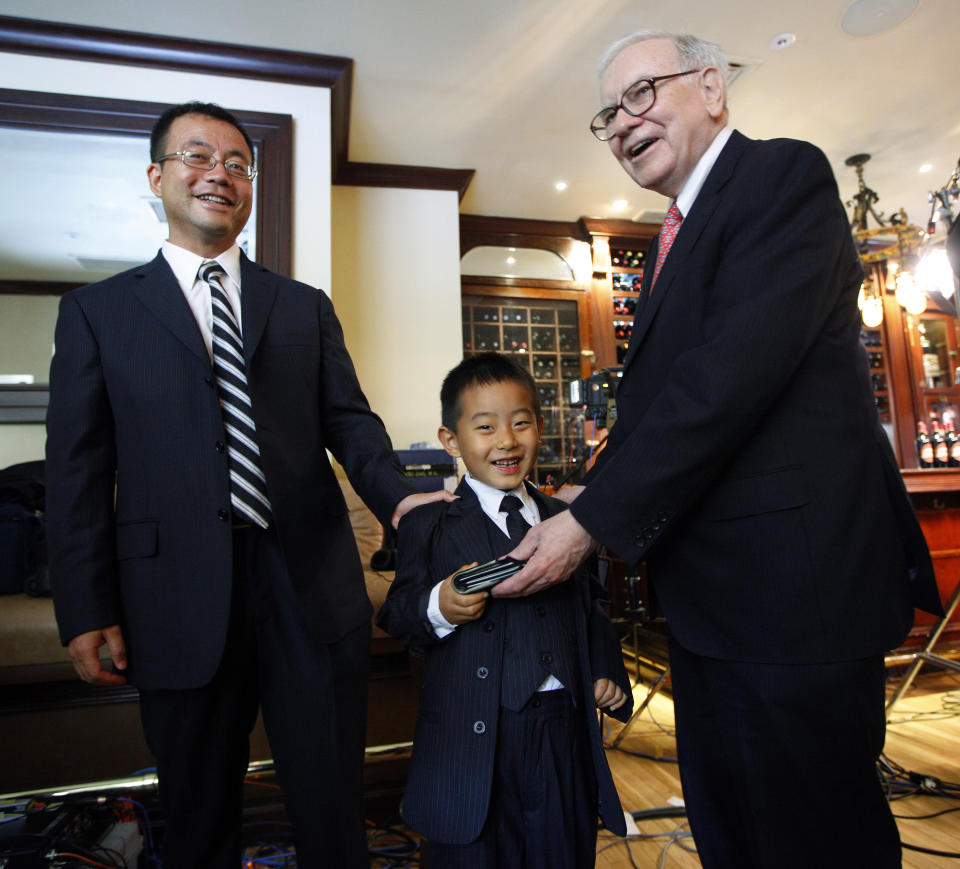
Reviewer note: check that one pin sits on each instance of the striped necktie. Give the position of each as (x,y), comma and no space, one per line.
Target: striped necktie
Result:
(668,232)
(248,486)
(516,525)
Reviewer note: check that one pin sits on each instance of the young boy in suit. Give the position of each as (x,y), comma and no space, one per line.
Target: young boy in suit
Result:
(508,769)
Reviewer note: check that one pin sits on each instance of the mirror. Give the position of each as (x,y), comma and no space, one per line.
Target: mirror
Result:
(77,208)
(935,353)
(515,262)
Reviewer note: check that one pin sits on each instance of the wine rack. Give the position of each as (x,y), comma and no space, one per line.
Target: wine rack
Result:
(543,336)
(626,276)
(872,339)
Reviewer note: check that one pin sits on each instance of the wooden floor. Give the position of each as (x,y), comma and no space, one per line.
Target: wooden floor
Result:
(923,737)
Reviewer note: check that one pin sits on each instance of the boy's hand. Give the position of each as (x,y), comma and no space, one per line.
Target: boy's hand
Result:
(608,695)
(458,609)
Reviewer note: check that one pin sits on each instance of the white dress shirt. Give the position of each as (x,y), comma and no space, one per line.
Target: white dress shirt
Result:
(690,190)
(185,265)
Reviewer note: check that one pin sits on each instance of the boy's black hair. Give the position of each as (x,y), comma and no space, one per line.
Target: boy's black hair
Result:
(158,137)
(481,370)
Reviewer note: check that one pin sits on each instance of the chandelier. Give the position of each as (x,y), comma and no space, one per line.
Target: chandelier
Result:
(893,241)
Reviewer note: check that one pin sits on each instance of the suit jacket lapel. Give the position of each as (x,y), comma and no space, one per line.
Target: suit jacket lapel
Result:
(156,287)
(691,229)
(258,290)
(469,529)
(466,526)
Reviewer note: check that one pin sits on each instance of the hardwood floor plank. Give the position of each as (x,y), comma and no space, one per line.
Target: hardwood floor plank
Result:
(923,737)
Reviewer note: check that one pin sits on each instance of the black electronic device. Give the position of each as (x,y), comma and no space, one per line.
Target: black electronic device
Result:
(485,576)
(597,395)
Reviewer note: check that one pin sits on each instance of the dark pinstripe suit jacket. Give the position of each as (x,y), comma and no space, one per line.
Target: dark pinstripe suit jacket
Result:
(133,404)
(448,786)
(747,464)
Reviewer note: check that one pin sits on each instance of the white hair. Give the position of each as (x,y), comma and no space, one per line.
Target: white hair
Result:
(695,52)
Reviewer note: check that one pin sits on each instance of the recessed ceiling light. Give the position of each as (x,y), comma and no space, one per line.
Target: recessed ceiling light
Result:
(511,260)
(869,17)
(926,167)
(560,186)
(619,204)
(782,41)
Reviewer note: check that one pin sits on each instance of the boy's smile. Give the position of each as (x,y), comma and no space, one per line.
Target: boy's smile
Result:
(497,435)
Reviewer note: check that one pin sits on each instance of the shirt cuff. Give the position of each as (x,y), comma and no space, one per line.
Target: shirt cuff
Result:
(441,627)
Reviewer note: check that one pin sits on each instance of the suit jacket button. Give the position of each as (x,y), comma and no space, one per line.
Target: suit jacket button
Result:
(546,658)
(488,626)
(223,515)
(219,446)
(482,672)
(479,727)
(208,381)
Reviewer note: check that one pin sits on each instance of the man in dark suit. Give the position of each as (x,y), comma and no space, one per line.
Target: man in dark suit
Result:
(748,468)
(196,527)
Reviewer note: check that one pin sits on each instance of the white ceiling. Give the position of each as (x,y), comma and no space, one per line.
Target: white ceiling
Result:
(507,87)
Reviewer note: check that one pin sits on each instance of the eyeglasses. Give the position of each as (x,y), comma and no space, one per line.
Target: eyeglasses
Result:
(202,160)
(636,100)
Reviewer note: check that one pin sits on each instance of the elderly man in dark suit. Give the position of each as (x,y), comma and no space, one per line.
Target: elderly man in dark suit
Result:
(748,468)
(196,527)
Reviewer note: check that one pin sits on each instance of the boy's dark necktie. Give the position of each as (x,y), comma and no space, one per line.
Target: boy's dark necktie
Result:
(516,525)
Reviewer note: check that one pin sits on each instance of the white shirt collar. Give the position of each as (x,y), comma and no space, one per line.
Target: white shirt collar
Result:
(490,499)
(690,190)
(185,264)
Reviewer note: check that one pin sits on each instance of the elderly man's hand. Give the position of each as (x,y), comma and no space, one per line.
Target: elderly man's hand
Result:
(552,549)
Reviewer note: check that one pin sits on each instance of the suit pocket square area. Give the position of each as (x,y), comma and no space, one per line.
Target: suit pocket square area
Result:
(137,540)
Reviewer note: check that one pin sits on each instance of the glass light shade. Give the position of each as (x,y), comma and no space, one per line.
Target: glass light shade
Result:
(872,311)
(909,295)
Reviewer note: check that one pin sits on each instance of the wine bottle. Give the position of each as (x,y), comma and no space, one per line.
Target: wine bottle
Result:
(953,443)
(924,446)
(941,451)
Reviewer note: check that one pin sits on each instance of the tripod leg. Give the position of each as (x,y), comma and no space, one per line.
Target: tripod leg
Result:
(925,654)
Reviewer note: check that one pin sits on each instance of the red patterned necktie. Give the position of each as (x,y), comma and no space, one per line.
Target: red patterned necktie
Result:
(668,232)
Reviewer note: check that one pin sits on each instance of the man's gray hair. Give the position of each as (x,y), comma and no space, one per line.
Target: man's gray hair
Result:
(695,53)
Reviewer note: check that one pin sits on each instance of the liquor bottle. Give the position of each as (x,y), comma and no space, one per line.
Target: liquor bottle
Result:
(941,450)
(924,446)
(953,443)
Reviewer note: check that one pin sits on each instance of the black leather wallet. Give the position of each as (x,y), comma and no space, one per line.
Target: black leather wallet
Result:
(484,576)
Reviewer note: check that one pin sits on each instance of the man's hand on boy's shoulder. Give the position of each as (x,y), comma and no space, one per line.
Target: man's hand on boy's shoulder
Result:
(568,494)
(608,695)
(458,609)
(418,500)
